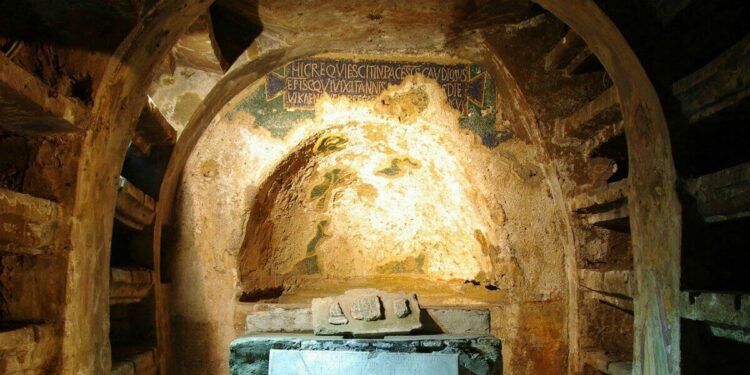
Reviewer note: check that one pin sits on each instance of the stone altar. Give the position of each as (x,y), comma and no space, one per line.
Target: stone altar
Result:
(364,314)
(477,355)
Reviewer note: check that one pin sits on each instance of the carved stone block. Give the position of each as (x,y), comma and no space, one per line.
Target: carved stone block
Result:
(336,315)
(401,307)
(367,308)
(366,313)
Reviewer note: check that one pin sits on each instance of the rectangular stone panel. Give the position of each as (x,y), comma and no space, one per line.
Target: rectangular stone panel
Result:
(267,318)
(457,320)
(366,313)
(270,318)
(322,362)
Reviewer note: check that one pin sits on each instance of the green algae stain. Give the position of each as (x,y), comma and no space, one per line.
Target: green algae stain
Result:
(307,266)
(329,143)
(398,167)
(408,265)
(322,191)
(269,114)
(320,236)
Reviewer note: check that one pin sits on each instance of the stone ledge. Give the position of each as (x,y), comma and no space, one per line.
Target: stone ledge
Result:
(609,282)
(291,318)
(28,105)
(141,362)
(26,348)
(152,130)
(129,285)
(134,207)
(601,361)
(29,225)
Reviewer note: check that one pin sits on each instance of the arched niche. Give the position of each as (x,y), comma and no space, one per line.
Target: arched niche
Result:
(404,190)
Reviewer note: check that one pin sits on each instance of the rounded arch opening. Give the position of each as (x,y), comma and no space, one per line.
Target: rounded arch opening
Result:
(523,112)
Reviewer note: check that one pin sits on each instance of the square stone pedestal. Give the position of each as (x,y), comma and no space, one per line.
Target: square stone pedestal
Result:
(476,354)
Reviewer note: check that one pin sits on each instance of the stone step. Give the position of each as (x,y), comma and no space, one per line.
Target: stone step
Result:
(290,318)
(129,285)
(603,362)
(141,362)
(27,105)
(153,130)
(598,199)
(602,111)
(613,283)
(26,348)
(564,51)
(29,225)
(723,195)
(726,314)
(718,85)
(134,208)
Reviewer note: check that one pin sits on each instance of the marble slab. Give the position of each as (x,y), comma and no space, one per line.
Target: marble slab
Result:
(323,362)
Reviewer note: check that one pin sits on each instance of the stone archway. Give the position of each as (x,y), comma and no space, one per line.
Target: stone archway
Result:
(653,213)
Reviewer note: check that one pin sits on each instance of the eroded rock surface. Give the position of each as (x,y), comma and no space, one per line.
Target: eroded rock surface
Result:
(367,308)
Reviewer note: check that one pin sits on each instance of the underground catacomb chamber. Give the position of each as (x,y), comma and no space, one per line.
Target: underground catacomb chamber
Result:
(459,187)
(341,172)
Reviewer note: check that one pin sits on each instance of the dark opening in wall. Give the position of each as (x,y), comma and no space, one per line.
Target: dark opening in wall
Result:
(234,29)
(39,165)
(705,353)
(714,255)
(146,171)
(82,88)
(703,30)
(715,143)
(616,149)
(130,247)
(14,160)
(132,327)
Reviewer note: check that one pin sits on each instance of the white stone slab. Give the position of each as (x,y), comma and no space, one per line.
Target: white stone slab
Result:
(326,362)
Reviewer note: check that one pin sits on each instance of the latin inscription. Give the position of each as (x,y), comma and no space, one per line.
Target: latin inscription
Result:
(289,93)
(302,82)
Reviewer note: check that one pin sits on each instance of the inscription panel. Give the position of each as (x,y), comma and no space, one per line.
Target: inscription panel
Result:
(302,82)
(289,93)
